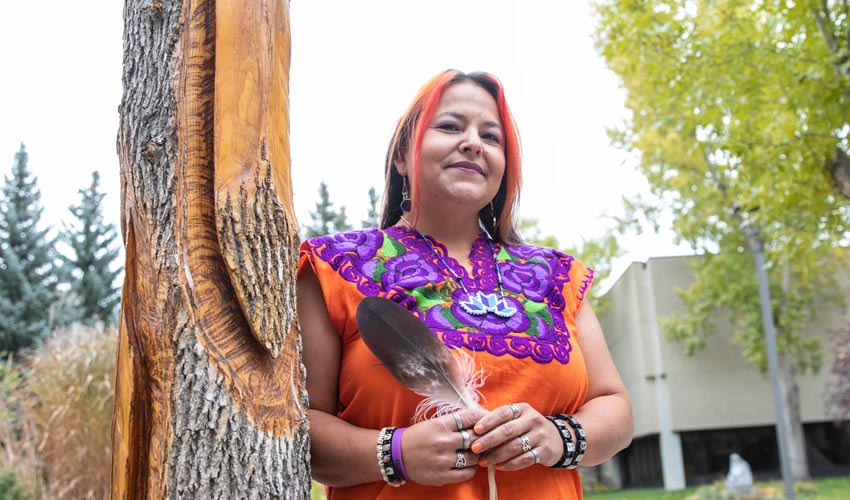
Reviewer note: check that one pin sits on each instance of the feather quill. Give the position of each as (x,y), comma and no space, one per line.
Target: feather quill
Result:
(446,378)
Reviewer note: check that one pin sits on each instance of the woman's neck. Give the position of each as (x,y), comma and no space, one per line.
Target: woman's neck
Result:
(457,234)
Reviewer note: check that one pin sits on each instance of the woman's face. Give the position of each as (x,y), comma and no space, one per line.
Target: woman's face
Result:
(462,156)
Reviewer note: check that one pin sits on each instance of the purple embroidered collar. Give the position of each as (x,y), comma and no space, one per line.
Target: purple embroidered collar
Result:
(479,303)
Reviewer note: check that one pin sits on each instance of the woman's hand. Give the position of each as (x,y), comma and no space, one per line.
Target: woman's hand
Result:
(431,449)
(516,436)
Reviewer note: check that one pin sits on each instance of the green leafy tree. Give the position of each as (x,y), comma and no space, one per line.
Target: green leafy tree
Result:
(28,275)
(372,217)
(740,115)
(598,253)
(94,295)
(326,220)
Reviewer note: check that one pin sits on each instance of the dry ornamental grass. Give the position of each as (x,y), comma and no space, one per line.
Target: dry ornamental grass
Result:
(56,416)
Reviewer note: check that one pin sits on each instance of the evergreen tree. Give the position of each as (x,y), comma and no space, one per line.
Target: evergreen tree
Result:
(341,221)
(326,220)
(93,296)
(372,216)
(28,276)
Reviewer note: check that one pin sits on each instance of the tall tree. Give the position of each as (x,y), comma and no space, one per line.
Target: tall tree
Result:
(326,219)
(740,112)
(373,215)
(93,293)
(210,395)
(28,274)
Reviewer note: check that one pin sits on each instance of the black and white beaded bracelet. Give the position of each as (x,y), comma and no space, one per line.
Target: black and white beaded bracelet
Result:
(567,439)
(385,457)
(581,438)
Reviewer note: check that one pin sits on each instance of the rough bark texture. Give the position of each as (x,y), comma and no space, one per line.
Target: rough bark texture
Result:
(210,395)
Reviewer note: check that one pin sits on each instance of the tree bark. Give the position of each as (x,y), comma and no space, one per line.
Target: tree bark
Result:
(796,438)
(794,435)
(210,394)
(839,169)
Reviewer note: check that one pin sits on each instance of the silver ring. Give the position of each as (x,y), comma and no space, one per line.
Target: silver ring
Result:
(458,420)
(514,410)
(461,461)
(526,443)
(466,437)
(536,455)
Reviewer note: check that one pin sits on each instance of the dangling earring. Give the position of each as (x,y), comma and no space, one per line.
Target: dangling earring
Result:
(493,213)
(405,204)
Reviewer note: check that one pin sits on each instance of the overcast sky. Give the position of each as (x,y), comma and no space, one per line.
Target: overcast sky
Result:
(355,67)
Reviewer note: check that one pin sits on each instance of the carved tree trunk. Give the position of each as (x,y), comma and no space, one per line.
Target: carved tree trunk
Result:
(210,395)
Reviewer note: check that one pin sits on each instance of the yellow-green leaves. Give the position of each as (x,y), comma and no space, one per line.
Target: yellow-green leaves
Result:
(736,108)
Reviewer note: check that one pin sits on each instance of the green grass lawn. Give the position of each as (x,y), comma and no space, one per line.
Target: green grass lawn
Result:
(831,488)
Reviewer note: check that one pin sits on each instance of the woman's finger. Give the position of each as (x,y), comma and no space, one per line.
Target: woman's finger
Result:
(500,416)
(512,448)
(499,426)
(521,461)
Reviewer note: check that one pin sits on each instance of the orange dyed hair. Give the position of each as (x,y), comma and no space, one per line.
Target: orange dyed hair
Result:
(407,139)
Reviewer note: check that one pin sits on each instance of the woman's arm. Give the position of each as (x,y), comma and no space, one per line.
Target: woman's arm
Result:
(606,415)
(343,454)
(334,442)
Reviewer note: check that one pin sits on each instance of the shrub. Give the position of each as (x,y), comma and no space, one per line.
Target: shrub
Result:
(9,489)
(62,409)
(19,465)
(761,491)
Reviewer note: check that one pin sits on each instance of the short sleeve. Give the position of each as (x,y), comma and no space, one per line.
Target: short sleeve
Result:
(341,298)
(576,289)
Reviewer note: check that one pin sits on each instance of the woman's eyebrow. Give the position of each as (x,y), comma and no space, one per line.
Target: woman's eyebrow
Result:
(452,114)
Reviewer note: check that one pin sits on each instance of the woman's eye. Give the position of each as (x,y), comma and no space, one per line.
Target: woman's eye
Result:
(451,127)
(492,138)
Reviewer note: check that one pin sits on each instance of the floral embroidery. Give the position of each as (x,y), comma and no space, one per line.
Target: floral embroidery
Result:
(397,264)
(408,271)
(528,278)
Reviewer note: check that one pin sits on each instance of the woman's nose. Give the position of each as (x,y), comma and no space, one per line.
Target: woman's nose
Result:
(471,144)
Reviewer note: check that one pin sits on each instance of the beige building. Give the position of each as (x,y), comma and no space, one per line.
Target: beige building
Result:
(691,412)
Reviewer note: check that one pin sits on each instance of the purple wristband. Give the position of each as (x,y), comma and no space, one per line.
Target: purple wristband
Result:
(395,451)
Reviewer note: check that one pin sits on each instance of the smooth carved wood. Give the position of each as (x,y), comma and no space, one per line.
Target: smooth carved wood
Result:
(210,395)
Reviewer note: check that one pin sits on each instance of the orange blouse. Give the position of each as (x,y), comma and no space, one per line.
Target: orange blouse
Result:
(532,357)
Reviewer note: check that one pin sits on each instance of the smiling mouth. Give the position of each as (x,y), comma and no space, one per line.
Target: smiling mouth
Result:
(468,166)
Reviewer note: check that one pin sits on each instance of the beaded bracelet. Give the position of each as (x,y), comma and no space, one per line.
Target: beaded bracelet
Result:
(567,439)
(581,438)
(385,458)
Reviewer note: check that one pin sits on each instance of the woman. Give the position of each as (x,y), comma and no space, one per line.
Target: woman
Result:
(449,253)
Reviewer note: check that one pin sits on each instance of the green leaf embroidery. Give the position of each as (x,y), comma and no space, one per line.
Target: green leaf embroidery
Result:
(380,269)
(447,313)
(505,255)
(392,248)
(427,297)
(533,307)
(532,325)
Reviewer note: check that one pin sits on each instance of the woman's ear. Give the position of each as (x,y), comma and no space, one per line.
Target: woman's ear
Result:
(401,166)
